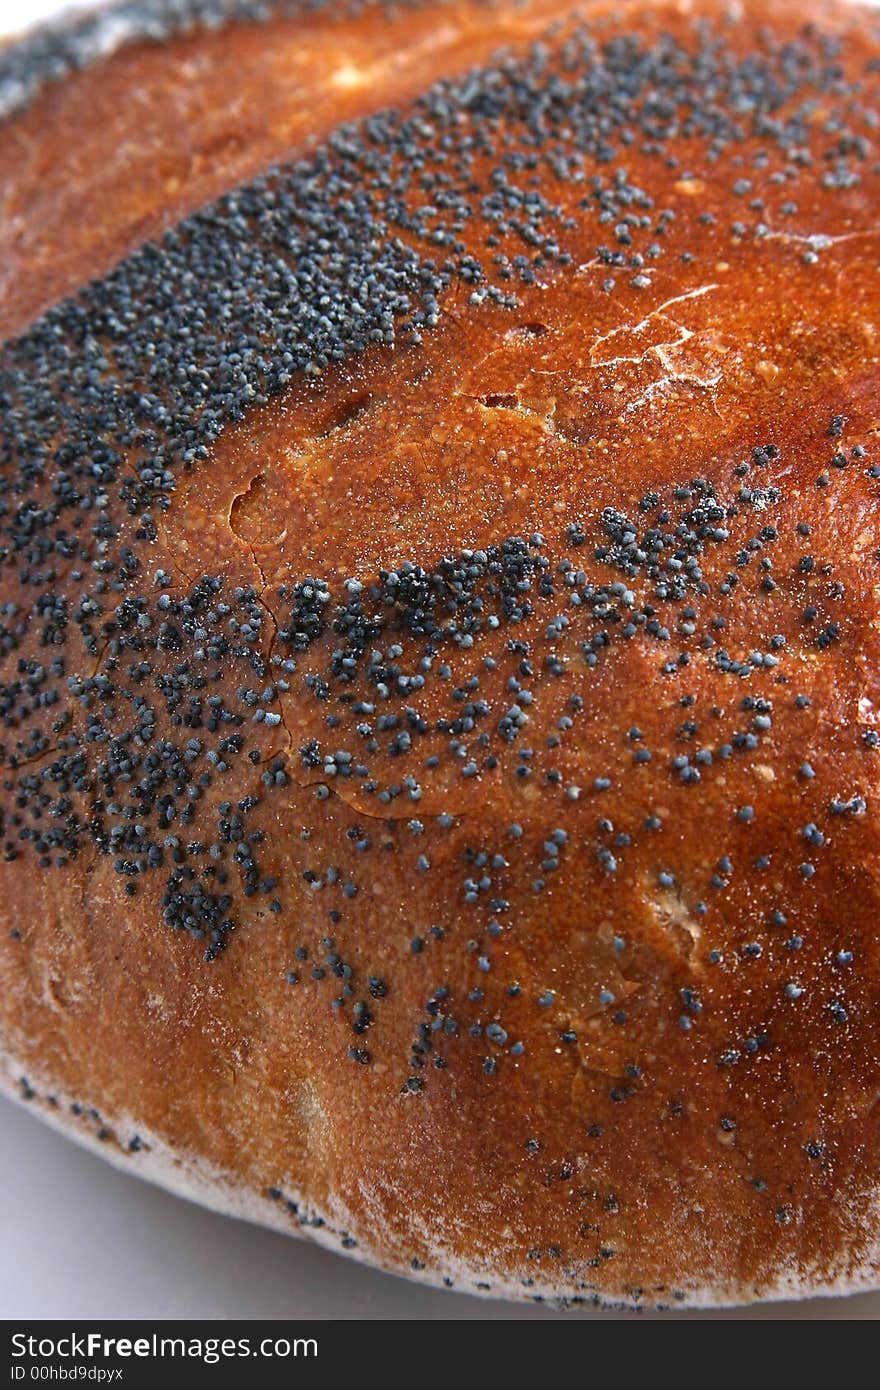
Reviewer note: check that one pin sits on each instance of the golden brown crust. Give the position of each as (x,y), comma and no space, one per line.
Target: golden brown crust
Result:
(598,1016)
(153,143)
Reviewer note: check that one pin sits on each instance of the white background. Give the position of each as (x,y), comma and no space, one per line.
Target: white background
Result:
(81,1240)
(15,14)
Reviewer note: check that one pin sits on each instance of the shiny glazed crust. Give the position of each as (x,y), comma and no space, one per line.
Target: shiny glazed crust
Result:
(440,643)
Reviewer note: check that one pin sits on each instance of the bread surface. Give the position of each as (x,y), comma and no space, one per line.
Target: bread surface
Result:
(440,629)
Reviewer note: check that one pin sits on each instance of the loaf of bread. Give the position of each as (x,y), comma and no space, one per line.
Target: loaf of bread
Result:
(440,618)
